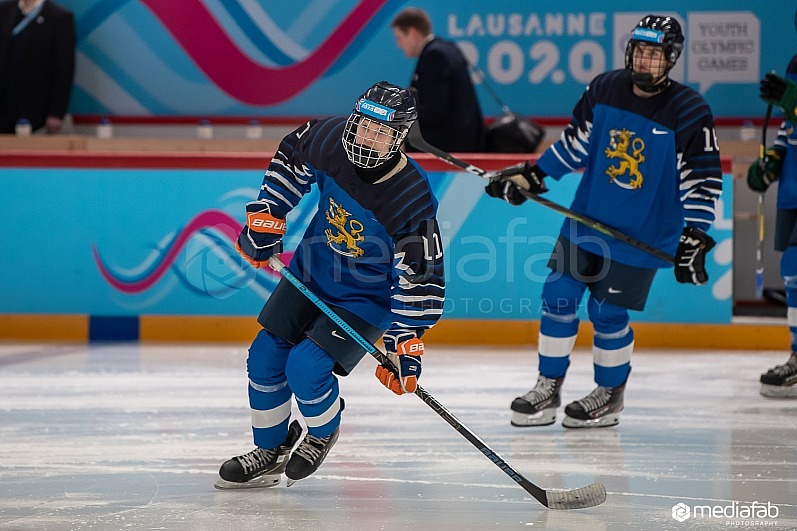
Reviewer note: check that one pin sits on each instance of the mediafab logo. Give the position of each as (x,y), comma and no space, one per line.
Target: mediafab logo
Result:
(735,513)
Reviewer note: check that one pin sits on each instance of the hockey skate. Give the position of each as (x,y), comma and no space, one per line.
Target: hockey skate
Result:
(781,380)
(599,409)
(309,455)
(259,468)
(538,406)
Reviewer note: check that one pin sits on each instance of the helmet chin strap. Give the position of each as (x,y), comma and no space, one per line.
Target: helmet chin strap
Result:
(646,83)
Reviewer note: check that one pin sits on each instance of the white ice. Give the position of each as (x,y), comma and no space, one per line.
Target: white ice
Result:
(131,436)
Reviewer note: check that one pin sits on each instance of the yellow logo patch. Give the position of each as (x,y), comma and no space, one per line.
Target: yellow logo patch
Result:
(348,231)
(619,146)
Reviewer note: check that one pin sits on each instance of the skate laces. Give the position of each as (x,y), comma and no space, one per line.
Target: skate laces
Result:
(255,459)
(543,390)
(312,447)
(597,398)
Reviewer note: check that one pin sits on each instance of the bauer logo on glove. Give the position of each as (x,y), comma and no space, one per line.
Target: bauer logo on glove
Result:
(407,359)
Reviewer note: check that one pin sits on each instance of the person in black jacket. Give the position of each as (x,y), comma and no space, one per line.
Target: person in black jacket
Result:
(37,63)
(448,110)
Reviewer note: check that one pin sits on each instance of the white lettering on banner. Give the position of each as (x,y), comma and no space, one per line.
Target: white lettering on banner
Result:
(723,48)
(560,47)
(527,25)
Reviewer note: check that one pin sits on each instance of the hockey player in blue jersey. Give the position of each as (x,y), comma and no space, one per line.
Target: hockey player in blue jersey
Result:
(371,252)
(652,171)
(780,162)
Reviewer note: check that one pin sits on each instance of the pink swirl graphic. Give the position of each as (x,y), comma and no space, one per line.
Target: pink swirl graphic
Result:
(215,219)
(194,27)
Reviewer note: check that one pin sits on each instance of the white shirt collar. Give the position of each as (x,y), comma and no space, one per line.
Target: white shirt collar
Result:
(26,10)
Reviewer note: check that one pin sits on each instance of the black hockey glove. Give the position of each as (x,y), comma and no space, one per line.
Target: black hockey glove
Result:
(779,91)
(506,190)
(690,258)
(527,176)
(261,237)
(524,176)
(764,172)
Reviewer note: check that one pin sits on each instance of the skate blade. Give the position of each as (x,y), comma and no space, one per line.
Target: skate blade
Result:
(263,482)
(602,422)
(289,481)
(546,417)
(779,391)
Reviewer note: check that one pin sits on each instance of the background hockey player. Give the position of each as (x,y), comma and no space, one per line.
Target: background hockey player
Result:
(371,252)
(780,162)
(651,171)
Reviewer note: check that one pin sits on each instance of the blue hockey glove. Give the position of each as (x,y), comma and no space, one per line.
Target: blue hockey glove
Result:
(690,258)
(782,92)
(764,172)
(261,237)
(405,350)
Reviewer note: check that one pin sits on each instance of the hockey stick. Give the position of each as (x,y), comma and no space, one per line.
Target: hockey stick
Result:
(759,252)
(580,498)
(416,139)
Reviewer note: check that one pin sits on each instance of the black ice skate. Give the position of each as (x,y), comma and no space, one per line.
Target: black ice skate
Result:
(260,467)
(309,455)
(599,409)
(781,380)
(538,406)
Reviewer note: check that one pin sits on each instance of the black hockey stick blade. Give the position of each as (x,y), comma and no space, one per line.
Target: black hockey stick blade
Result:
(416,139)
(579,498)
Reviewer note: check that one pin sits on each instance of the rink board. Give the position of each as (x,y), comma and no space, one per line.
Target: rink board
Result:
(146,247)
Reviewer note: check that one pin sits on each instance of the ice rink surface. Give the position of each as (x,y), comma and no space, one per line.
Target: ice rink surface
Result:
(129,436)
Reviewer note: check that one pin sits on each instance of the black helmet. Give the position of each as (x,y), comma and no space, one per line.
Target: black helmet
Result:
(658,31)
(378,124)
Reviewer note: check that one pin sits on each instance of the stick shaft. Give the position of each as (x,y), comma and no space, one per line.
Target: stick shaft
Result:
(417,140)
(759,252)
(538,493)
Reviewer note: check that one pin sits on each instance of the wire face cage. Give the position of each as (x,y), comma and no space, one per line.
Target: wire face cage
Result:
(368,142)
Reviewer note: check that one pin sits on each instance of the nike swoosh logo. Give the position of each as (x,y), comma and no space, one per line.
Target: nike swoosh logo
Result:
(335,334)
(612,290)
(659,132)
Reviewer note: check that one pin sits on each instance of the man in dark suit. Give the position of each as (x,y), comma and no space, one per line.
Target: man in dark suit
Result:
(448,110)
(37,63)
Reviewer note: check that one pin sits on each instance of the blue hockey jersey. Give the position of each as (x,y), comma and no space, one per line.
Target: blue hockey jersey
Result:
(651,166)
(787,138)
(372,249)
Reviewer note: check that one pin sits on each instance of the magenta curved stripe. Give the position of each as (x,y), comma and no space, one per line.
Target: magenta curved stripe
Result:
(194,27)
(215,219)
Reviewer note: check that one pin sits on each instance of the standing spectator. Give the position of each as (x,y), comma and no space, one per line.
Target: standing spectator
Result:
(780,162)
(37,63)
(651,167)
(448,110)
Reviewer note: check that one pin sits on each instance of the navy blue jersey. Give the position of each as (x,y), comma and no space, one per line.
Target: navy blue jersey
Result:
(373,249)
(787,138)
(651,165)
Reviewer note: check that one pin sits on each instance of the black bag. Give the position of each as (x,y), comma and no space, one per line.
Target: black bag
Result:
(513,134)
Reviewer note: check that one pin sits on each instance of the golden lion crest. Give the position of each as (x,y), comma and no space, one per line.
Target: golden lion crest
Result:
(338,217)
(629,163)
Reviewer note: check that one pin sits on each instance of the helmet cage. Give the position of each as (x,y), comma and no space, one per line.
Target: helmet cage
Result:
(377,126)
(664,32)
(368,142)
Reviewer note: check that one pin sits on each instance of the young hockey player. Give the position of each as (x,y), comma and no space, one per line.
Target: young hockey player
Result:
(652,171)
(780,162)
(372,253)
